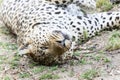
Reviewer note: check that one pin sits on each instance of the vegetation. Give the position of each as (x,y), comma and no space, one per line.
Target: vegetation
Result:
(49,76)
(1,1)
(90,74)
(11,68)
(104,5)
(24,75)
(8,46)
(114,41)
(7,78)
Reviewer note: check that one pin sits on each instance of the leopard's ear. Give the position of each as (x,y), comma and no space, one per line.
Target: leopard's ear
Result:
(24,49)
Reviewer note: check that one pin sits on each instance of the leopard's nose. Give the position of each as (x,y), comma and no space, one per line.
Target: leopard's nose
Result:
(66,42)
(62,42)
(65,38)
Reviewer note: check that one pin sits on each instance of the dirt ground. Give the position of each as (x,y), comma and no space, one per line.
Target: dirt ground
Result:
(95,62)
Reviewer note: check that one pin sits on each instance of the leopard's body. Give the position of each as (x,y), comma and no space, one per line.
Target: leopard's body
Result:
(45,31)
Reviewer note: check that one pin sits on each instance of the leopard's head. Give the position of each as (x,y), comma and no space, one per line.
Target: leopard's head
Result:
(54,43)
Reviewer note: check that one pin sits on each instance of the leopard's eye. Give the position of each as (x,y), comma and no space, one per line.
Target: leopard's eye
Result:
(59,41)
(43,48)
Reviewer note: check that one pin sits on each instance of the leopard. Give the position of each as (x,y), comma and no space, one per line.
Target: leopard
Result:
(115,1)
(46,32)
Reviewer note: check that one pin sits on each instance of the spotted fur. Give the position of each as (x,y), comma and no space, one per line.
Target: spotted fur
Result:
(45,31)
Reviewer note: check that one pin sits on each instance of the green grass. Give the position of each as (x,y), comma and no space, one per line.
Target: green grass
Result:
(76,53)
(1,68)
(24,75)
(38,69)
(6,78)
(54,68)
(100,57)
(47,76)
(105,5)
(114,41)
(71,74)
(3,59)
(89,58)
(8,46)
(1,1)
(83,61)
(15,61)
(85,35)
(90,74)
(4,30)
(63,70)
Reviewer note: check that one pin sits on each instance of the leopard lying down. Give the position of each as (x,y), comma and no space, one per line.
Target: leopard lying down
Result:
(45,31)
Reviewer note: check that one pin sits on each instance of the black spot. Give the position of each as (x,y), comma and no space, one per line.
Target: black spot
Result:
(90,34)
(84,22)
(112,23)
(104,18)
(79,33)
(30,24)
(42,9)
(88,31)
(23,21)
(101,26)
(103,21)
(56,8)
(60,17)
(71,23)
(73,26)
(43,35)
(110,18)
(117,14)
(49,13)
(97,28)
(117,18)
(26,18)
(48,7)
(44,5)
(79,17)
(56,2)
(79,23)
(97,19)
(64,6)
(91,27)
(58,26)
(64,1)
(64,13)
(53,23)
(71,0)
(57,12)
(109,13)
(108,24)
(78,29)
(89,21)
(95,23)
(70,19)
